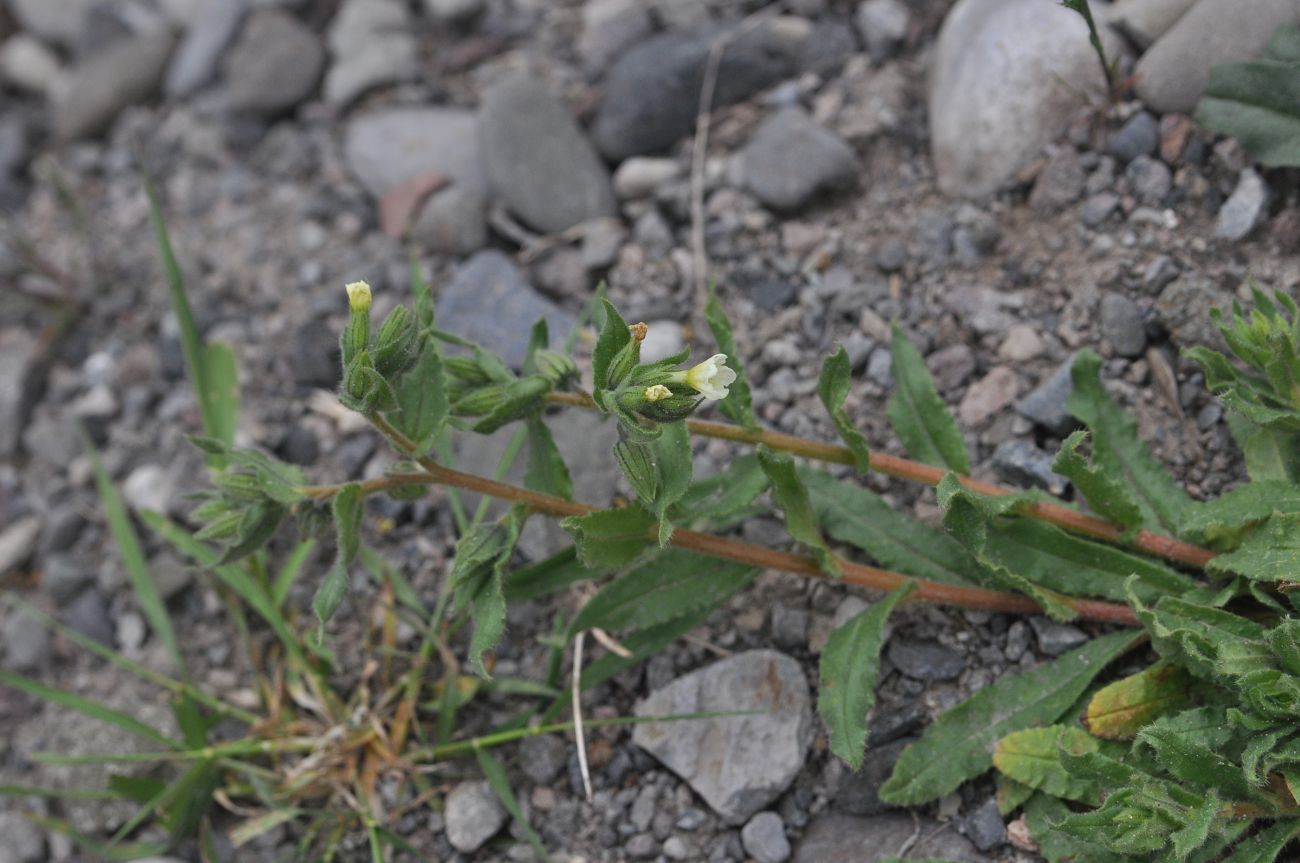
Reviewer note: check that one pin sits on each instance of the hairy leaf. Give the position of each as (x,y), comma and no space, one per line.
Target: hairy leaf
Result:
(348,505)
(726,495)
(1265,846)
(1010,794)
(674,584)
(917,413)
(850,664)
(673,459)
(1255,101)
(610,538)
(1225,520)
(1192,635)
(1030,757)
(959,746)
(422,401)
(791,497)
(1272,454)
(1271,553)
(1200,748)
(1106,495)
(547,576)
(477,577)
(1119,451)
(1118,711)
(738,405)
(547,471)
(833,389)
(636,459)
(614,336)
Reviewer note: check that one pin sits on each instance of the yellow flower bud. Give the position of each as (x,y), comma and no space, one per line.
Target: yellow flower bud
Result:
(358,296)
(657,393)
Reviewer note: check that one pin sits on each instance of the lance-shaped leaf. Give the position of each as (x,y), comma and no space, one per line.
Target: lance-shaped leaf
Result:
(728,494)
(850,664)
(966,516)
(1119,710)
(738,405)
(859,517)
(1266,845)
(422,403)
(1030,757)
(1144,819)
(1201,748)
(673,463)
(610,538)
(917,414)
(833,389)
(1257,101)
(636,458)
(792,499)
(1226,520)
(547,471)
(1119,452)
(477,579)
(1107,496)
(548,576)
(347,508)
(959,746)
(1271,454)
(674,584)
(1193,635)
(1271,553)
(614,336)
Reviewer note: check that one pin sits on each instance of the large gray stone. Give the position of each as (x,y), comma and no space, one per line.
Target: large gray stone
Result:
(738,764)
(195,63)
(791,159)
(387,148)
(1007,76)
(653,91)
(845,839)
(373,44)
(275,64)
(537,159)
(608,28)
(1172,74)
(127,72)
(489,302)
(1145,21)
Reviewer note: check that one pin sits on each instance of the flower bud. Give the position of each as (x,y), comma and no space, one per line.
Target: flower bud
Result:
(669,410)
(479,401)
(465,370)
(356,335)
(395,347)
(627,358)
(557,368)
(358,296)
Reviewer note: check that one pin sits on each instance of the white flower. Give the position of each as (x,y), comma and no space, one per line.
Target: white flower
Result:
(358,296)
(710,378)
(658,392)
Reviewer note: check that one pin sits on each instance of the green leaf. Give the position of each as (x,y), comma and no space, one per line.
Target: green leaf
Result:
(547,471)
(1107,497)
(518,399)
(967,517)
(1256,102)
(673,460)
(133,559)
(257,524)
(1272,454)
(738,406)
(221,383)
(609,538)
(1225,520)
(917,414)
(850,664)
(1266,845)
(791,497)
(1030,757)
(86,707)
(547,576)
(495,774)
(614,336)
(637,461)
(1119,710)
(1010,794)
(290,570)
(348,507)
(1201,748)
(1193,635)
(675,584)
(1271,553)
(959,746)
(477,579)
(833,389)
(727,495)
(852,514)
(422,401)
(1119,452)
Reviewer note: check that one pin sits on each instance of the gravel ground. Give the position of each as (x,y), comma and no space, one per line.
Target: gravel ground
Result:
(533,150)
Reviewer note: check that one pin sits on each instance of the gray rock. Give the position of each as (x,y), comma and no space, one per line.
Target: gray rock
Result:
(640,176)
(1184,309)
(846,839)
(789,627)
(985,828)
(653,90)
(988,395)
(1098,208)
(764,838)
(26,642)
(1245,207)
(1046,403)
(17,542)
(89,615)
(385,149)
(542,758)
(1150,179)
(641,846)
(1160,272)
(608,28)
(24,842)
(675,848)
(890,722)
(992,109)
(1017,641)
(537,159)
(1172,74)
(62,22)
(1121,325)
(1056,638)
(1145,21)
(1139,136)
(642,811)
(827,51)
(717,757)
(15,140)
(790,159)
(195,61)
(372,44)
(859,792)
(883,26)
(489,302)
(65,577)
(925,660)
(454,11)
(473,816)
(27,64)
(1060,183)
(122,74)
(951,366)
(273,65)
(1021,463)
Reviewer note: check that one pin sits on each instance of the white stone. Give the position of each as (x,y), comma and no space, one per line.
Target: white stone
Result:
(473,816)
(639,176)
(18,541)
(1145,21)
(28,65)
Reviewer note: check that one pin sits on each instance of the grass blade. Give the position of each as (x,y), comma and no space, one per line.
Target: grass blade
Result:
(496,778)
(289,571)
(86,707)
